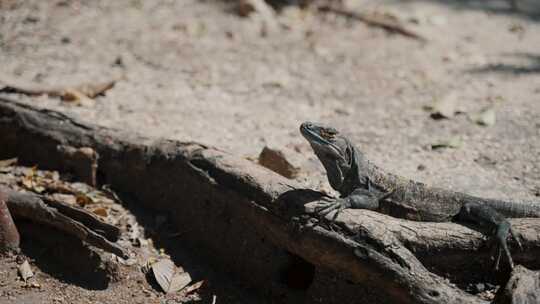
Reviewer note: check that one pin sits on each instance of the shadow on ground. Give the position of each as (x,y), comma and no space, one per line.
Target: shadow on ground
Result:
(165,235)
(63,257)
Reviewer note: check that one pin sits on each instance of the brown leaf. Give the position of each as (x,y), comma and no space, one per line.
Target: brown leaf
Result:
(101,212)
(83,200)
(76,97)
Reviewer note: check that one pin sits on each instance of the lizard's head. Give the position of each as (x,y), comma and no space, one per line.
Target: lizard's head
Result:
(333,150)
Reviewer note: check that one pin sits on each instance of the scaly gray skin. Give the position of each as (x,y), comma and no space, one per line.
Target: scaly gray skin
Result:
(352,175)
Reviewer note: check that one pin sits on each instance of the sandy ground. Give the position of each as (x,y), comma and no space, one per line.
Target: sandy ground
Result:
(194,70)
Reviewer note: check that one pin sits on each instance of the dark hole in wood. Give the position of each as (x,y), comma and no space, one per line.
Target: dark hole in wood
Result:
(101,178)
(298,274)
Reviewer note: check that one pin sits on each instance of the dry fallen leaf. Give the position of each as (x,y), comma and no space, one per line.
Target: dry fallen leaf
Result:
(27,183)
(83,200)
(38,188)
(31,180)
(452,142)
(168,278)
(194,287)
(52,175)
(100,211)
(24,271)
(180,281)
(486,117)
(30,183)
(65,198)
(444,107)
(98,197)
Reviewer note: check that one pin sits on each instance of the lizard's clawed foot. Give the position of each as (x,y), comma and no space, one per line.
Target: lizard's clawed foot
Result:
(500,244)
(331,205)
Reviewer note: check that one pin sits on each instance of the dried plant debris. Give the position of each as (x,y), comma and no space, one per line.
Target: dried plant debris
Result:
(445,107)
(53,189)
(486,117)
(261,11)
(194,287)
(169,278)
(53,186)
(73,93)
(451,142)
(25,272)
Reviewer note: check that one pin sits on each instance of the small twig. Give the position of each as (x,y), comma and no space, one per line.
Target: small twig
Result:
(387,25)
(67,92)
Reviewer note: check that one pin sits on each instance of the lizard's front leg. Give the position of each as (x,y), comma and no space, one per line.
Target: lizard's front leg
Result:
(486,216)
(358,199)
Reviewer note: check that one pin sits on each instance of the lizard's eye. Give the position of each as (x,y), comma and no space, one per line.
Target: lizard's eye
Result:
(331,131)
(328,133)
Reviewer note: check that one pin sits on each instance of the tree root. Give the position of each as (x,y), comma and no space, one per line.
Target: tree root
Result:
(71,220)
(246,216)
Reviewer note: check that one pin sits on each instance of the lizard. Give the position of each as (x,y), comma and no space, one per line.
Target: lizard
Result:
(363,185)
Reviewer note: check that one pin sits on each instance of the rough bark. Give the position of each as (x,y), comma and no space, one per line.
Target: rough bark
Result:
(9,236)
(248,218)
(82,162)
(522,288)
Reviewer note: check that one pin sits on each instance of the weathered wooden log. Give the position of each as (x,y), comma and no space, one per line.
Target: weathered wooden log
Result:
(71,220)
(9,235)
(252,221)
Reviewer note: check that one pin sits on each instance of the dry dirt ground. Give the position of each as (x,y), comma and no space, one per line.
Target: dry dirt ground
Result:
(194,70)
